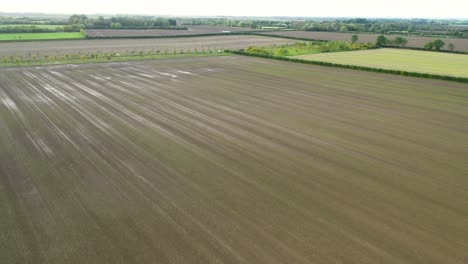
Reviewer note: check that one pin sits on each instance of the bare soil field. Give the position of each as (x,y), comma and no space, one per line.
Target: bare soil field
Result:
(230,160)
(417,42)
(192,30)
(53,48)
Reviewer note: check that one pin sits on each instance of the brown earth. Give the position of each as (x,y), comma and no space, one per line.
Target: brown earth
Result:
(417,42)
(192,30)
(52,48)
(230,160)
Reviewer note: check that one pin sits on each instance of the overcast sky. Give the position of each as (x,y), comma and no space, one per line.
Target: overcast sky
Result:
(334,8)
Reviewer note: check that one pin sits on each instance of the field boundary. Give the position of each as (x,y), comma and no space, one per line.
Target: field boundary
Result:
(382,46)
(34,40)
(107,59)
(259,33)
(181,36)
(355,67)
(144,37)
(374,33)
(423,49)
(289,37)
(254,33)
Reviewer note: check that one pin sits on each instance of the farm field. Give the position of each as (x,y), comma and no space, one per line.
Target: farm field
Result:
(40,36)
(52,48)
(417,42)
(399,59)
(192,30)
(230,159)
(36,25)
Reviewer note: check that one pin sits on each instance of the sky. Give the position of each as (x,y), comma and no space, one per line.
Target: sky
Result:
(310,8)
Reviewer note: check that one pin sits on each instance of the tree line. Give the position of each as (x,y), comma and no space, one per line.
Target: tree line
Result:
(419,27)
(121,22)
(76,23)
(436,44)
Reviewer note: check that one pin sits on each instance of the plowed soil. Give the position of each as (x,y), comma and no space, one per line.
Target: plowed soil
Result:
(417,42)
(230,160)
(52,48)
(192,30)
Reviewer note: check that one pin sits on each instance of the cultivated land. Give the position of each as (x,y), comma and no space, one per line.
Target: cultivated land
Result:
(230,160)
(192,30)
(52,48)
(35,25)
(40,36)
(417,42)
(399,59)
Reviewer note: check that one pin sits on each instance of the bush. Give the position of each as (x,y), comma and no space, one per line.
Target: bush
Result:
(381,40)
(429,45)
(258,50)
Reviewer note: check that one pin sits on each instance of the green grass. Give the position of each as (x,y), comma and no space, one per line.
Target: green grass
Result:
(38,26)
(40,36)
(399,59)
(310,47)
(292,50)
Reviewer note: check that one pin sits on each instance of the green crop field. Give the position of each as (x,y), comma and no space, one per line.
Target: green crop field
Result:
(40,36)
(399,59)
(230,159)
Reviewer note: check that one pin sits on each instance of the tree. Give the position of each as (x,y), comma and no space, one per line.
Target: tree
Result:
(116,25)
(429,45)
(438,44)
(354,38)
(172,22)
(77,19)
(400,41)
(344,29)
(451,46)
(381,40)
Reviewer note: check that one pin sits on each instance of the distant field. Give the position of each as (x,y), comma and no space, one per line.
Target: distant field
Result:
(418,42)
(38,26)
(231,159)
(192,30)
(53,48)
(399,59)
(40,36)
